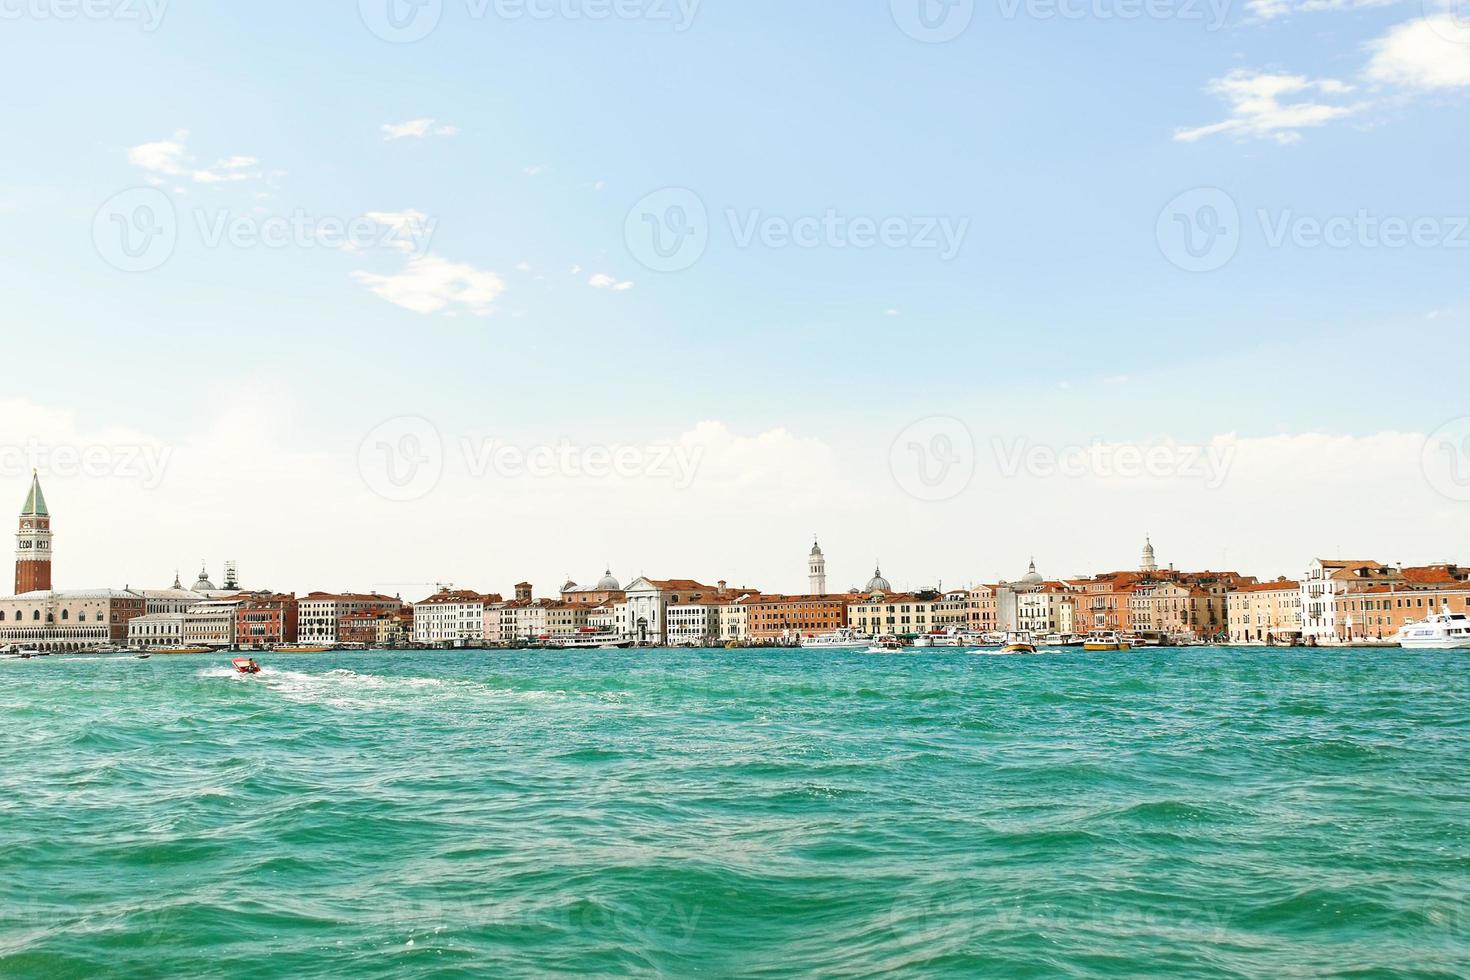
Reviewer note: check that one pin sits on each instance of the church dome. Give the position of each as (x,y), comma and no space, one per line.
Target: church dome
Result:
(203,584)
(570,586)
(878,583)
(1032,576)
(608,583)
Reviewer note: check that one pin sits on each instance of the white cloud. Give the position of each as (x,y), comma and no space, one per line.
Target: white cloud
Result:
(411,230)
(163,157)
(170,158)
(417,129)
(535,170)
(1272,9)
(432,284)
(1426,53)
(1257,109)
(603,281)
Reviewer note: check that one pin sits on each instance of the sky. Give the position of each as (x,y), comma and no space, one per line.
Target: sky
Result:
(391,293)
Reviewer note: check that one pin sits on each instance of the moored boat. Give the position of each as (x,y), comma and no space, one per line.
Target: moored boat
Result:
(309,648)
(1441,631)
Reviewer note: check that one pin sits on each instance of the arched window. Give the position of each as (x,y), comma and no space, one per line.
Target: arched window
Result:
(65,615)
(36,615)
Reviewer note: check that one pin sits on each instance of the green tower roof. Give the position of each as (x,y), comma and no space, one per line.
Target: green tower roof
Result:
(35,500)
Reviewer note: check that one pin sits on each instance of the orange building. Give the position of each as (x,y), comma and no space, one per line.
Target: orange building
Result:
(790,617)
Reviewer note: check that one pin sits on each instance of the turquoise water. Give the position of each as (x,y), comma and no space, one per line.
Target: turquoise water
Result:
(1210,813)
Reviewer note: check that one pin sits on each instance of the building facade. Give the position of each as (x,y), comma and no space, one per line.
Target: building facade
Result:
(68,621)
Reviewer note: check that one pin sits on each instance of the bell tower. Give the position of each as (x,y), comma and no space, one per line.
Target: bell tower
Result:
(816,567)
(33,543)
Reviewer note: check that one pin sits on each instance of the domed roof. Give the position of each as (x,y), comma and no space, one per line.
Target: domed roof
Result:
(570,586)
(203,584)
(816,548)
(608,583)
(878,583)
(1032,576)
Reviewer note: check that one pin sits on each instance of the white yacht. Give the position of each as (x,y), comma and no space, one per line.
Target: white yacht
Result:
(887,644)
(954,636)
(843,639)
(1441,631)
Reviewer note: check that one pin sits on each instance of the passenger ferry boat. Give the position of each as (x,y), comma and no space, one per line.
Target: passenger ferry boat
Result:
(843,639)
(1104,640)
(1441,631)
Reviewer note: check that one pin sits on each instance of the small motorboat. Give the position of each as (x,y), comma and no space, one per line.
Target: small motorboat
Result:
(887,644)
(142,656)
(1018,641)
(245,665)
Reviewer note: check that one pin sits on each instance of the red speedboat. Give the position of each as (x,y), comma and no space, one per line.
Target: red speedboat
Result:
(245,665)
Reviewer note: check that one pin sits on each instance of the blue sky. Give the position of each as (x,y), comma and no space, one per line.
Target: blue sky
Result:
(1055,141)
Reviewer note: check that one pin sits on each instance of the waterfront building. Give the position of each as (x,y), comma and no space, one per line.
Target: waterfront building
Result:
(648,601)
(1044,607)
(68,620)
(952,610)
(981,605)
(33,543)
(450,618)
(565,618)
(1103,602)
(882,612)
(266,620)
(603,618)
(395,628)
(790,618)
(319,614)
(1377,612)
(156,631)
(212,623)
(1265,612)
(1329,579)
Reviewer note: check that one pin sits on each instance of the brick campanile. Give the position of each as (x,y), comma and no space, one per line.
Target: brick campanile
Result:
(33,543)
